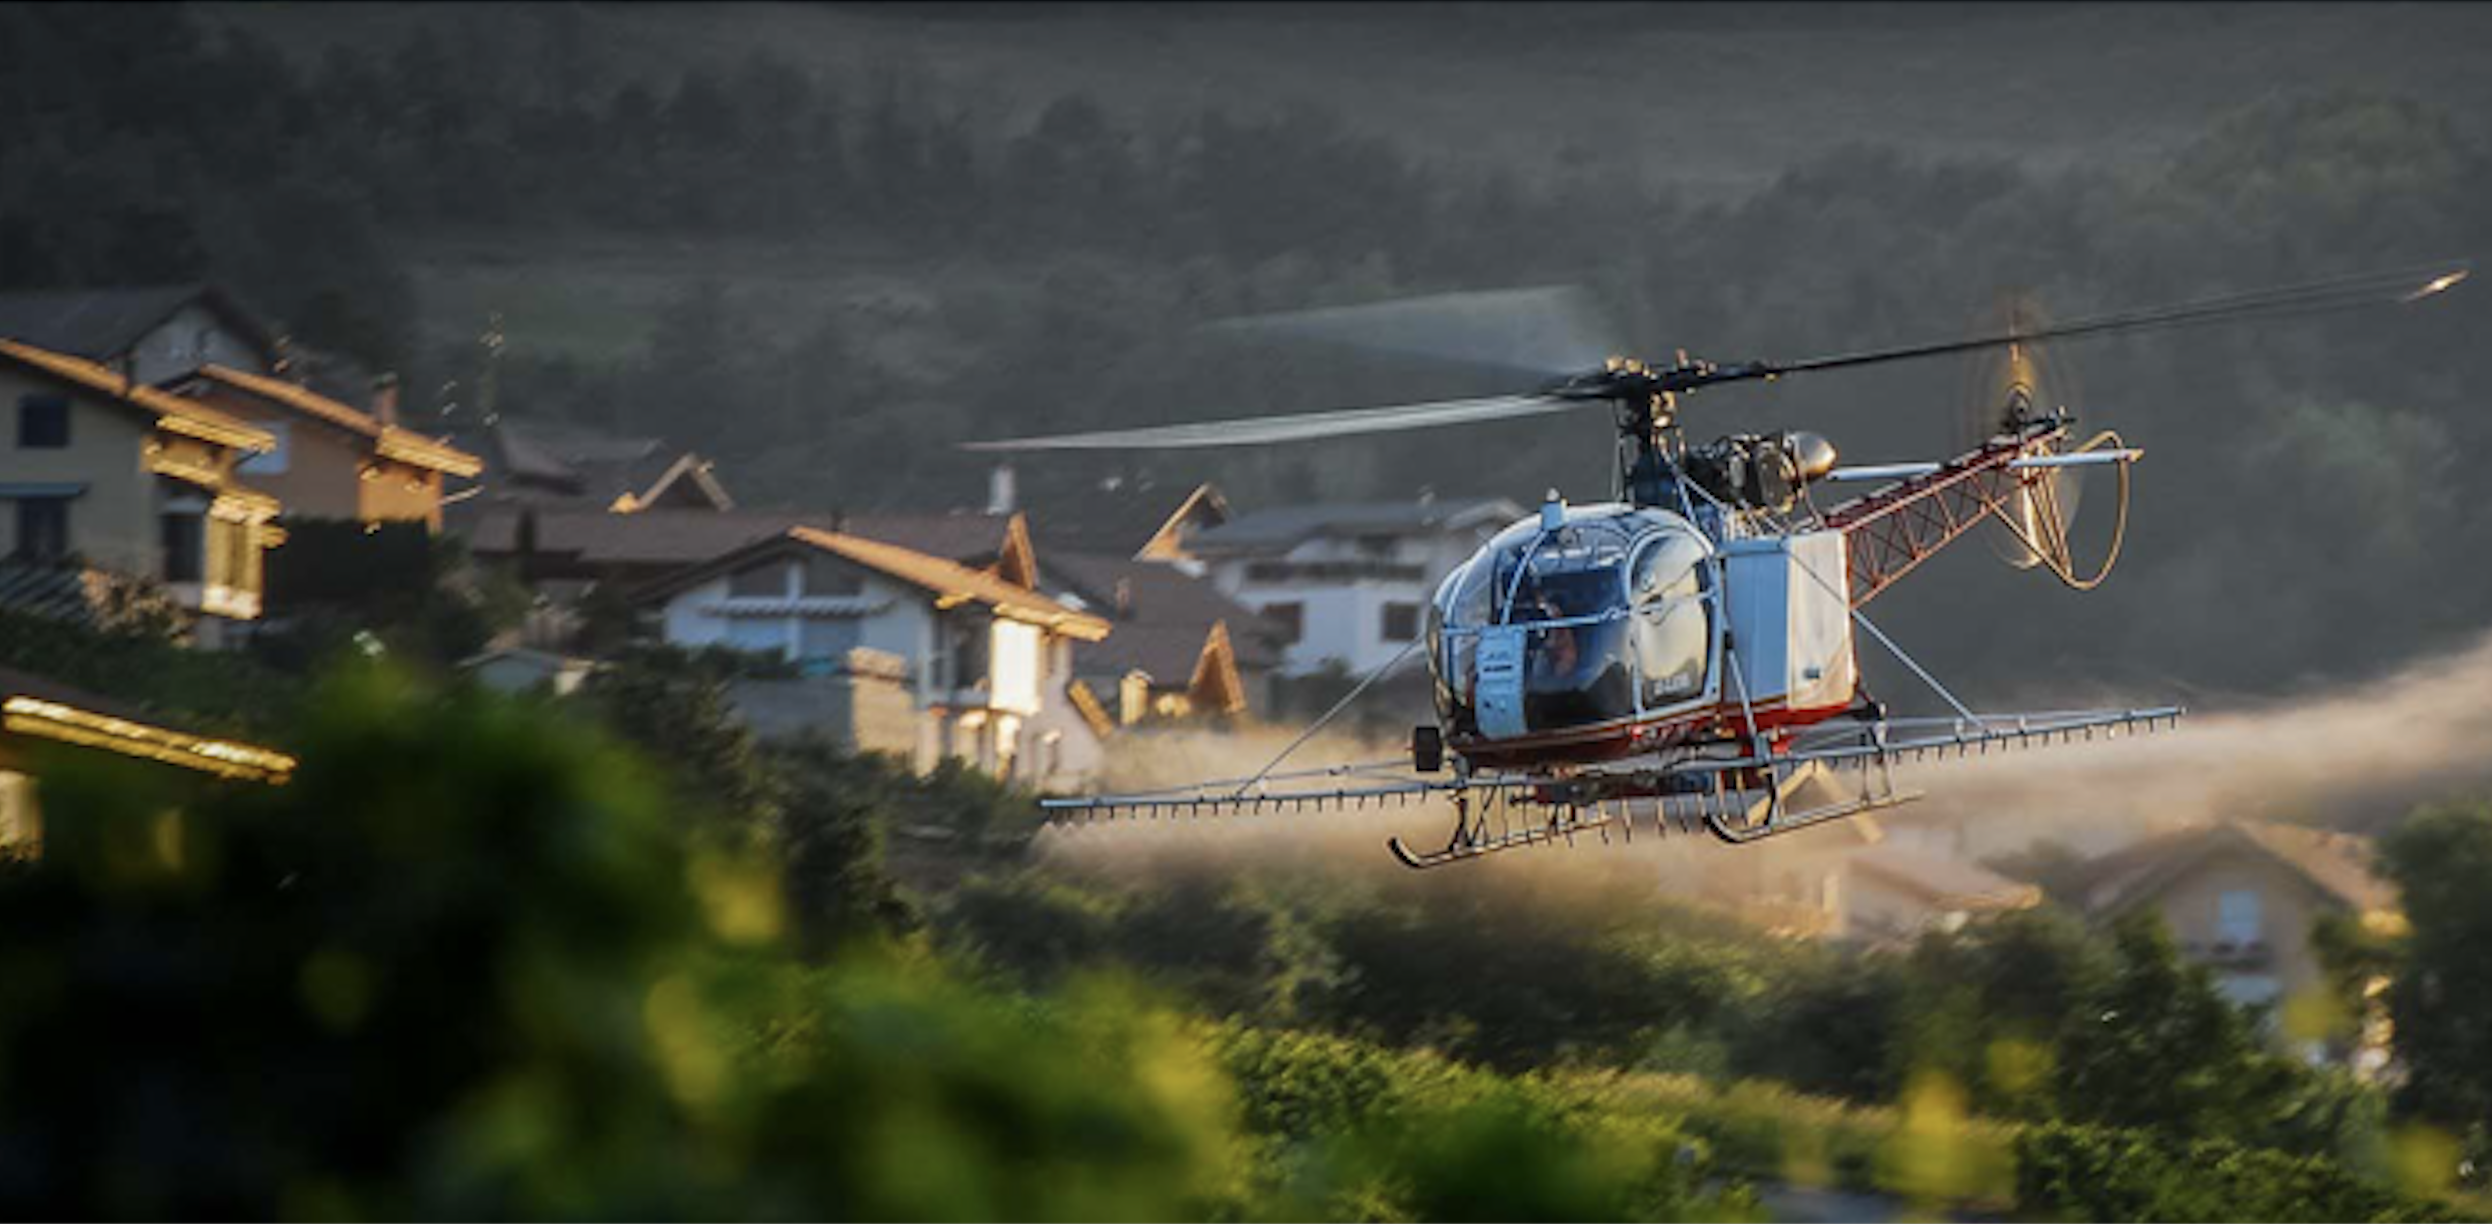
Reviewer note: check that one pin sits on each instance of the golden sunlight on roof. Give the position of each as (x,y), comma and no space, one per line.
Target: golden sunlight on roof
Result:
(173,413)
(954,583)
(69,724)
(391,441)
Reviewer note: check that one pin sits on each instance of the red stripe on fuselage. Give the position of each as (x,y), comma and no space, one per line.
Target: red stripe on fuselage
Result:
(1632,736)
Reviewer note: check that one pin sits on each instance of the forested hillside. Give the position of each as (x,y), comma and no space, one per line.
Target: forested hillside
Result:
(826,269)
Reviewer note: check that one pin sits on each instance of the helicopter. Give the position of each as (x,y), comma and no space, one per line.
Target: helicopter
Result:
(1686,653)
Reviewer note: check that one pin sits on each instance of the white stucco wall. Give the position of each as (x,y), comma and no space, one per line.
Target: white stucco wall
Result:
(901,620)
(1344,617)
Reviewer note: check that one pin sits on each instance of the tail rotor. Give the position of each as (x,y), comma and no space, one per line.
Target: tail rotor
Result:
(2011,387)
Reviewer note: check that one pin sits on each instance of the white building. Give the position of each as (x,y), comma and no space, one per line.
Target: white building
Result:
(1346,582)
(985,660)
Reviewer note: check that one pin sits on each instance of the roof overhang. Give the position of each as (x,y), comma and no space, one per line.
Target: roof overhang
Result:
(409,447)
(69,724)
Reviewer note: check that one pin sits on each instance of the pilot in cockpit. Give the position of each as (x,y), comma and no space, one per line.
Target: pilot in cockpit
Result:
(1557,655)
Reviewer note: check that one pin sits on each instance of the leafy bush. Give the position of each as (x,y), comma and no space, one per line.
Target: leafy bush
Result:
(208,691)
(2082,1173)
(467,963)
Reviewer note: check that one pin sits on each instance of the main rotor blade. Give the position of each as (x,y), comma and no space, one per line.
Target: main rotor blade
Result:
(1541,332)
(2366,289)
(1298,427)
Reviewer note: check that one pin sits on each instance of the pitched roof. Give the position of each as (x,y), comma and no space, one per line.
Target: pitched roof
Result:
(645,537)
(392,441)
(172,412)
(1947,883)
(949,581)
(1118,515)
(101,323)
(692,473)
(1168,613)
(2337,864)
(1205,504)
(578,460)
(959,536)
(1284,526)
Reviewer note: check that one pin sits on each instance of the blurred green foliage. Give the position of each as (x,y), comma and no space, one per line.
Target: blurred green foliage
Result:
(473,961)
(2441,989)
(481,958)
(2079,1173)
(211,691)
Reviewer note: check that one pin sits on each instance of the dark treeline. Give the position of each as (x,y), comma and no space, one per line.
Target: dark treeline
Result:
(151,115)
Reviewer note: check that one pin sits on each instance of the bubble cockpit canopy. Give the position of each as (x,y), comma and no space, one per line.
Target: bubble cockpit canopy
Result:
(1594,609)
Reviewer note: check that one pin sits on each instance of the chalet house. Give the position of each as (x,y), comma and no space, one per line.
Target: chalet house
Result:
(1347,583)
(578,545)
(126,478)
(564,552)
(984,660)
(332,460)
(41,717)
(2240,897)
(565,464)
(147,334)
(1177,647)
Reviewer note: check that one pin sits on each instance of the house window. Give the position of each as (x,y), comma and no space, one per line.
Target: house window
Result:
(758,636)
(42,528)
(43,422)
(826,641)
(185,547)
(831,576)
(1401,622)
(1291,617)
(969,644)
(271,462)
(2236,916)
(767,580)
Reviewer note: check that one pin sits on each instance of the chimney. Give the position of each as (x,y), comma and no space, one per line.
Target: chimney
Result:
(1124,599)
(385,399)
(999,490)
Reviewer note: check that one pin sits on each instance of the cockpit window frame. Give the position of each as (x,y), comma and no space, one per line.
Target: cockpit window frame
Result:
(1708,593)
(1474,588)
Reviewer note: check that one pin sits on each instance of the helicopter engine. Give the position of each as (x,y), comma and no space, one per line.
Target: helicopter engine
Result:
(1759,471)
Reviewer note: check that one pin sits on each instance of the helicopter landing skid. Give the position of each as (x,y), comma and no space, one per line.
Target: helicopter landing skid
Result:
(1487,822)
(1825,775)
